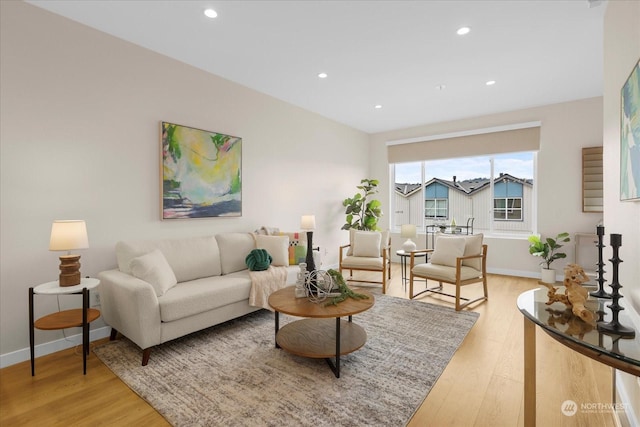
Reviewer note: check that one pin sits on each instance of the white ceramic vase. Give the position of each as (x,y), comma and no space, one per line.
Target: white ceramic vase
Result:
(548,275)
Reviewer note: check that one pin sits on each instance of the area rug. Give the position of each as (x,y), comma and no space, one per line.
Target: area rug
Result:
(232,374)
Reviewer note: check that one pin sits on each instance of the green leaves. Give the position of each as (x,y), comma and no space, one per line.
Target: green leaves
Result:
(547,249)
(363,215)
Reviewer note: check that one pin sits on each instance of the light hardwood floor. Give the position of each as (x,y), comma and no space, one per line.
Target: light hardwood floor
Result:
(481,386)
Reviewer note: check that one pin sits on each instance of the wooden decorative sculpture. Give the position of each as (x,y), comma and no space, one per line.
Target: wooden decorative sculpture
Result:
(575,295)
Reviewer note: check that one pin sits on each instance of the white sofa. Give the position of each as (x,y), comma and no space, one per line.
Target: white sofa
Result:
(213,285)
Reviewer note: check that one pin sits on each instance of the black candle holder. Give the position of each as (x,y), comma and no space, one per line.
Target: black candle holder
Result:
(600,293)
(614,326)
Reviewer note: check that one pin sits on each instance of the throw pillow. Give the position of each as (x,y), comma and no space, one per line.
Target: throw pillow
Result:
(366,244)
(258,260)
(473,246)
(384,240)
(447,250)
(277,246)
(297,247)
(154,269)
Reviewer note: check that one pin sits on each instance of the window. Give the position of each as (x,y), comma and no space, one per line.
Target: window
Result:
(497,191)
(507,209)
(507,200)
(436,201)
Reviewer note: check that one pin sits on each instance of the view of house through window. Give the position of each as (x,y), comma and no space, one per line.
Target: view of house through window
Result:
(491,193)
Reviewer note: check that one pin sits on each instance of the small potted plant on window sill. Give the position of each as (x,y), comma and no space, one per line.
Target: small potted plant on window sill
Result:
(547,250)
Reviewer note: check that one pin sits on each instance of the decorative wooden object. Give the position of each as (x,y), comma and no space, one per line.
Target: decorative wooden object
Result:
(69,270)
(600,293)
(614,327)
(574,295)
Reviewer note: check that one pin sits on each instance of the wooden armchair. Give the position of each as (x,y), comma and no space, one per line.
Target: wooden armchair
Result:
(367,251)
(457,260)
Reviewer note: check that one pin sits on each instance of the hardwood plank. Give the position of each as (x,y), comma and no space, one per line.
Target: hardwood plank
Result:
(482,385)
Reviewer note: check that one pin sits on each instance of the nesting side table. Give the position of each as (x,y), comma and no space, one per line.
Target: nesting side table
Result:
(80,317)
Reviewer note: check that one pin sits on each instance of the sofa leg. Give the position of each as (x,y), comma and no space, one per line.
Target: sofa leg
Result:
(145,356)
(113,335)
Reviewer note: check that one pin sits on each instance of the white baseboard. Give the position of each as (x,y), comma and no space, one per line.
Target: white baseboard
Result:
(518,273)
(52,347)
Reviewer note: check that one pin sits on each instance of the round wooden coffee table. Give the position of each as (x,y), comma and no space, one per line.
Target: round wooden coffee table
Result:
(318,335)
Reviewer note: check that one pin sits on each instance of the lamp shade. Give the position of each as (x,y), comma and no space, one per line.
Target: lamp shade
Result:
(67,235)
(408,231)
(308,222)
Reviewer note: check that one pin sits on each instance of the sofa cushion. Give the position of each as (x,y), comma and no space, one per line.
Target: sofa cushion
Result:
(297,246)
(154,269)
(201,295)
(276,246)
(190,258)
(366,244)
(447,250)
(234,248)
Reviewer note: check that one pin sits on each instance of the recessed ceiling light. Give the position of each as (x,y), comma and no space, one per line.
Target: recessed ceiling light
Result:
(377,107)
(463,30)
(210,13)
(490,83)
(322,75)
(440,87)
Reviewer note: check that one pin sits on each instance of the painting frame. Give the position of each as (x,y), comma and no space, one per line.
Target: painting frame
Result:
(630,136)
(200,173)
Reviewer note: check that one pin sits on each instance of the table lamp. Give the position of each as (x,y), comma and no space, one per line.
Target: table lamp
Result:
(67,235)
(308,223)
(408,231)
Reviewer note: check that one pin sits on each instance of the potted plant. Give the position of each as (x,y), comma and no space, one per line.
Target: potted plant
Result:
(363,214)
(547,250)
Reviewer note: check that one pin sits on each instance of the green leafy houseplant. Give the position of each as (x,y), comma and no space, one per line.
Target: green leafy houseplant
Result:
(363,214)
(547,250)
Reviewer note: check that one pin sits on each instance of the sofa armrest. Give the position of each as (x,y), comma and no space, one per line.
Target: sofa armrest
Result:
(130,305)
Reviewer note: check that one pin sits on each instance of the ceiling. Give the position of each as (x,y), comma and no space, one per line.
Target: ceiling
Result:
(389,53)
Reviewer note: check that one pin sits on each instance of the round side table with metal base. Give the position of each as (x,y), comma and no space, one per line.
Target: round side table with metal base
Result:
(80,317)
(403,262)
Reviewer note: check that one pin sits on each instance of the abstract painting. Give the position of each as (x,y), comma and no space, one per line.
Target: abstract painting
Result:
(201,173)
(630,137)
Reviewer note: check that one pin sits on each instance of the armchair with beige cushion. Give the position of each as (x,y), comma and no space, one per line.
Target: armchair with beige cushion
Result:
(457,260)
(367,251)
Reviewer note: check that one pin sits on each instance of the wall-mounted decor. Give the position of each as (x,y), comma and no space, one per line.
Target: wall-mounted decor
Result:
(630,137)
(201,173)
(592,180)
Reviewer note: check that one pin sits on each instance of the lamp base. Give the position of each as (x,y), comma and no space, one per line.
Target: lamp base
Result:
(69,270)
(409,246)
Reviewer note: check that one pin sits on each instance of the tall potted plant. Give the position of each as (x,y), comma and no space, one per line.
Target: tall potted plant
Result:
(548,251)
(362,212)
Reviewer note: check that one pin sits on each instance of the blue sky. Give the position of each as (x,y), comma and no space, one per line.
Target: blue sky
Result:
(519,165)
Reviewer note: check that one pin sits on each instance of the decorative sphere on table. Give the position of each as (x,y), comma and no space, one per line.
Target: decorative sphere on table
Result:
(318,285)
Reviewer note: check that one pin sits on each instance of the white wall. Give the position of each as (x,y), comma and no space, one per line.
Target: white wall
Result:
(566,128)
(621,52)
(80,113)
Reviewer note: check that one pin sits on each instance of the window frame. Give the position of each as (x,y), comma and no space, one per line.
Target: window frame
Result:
(508,208)
(437,208)
(532,200)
